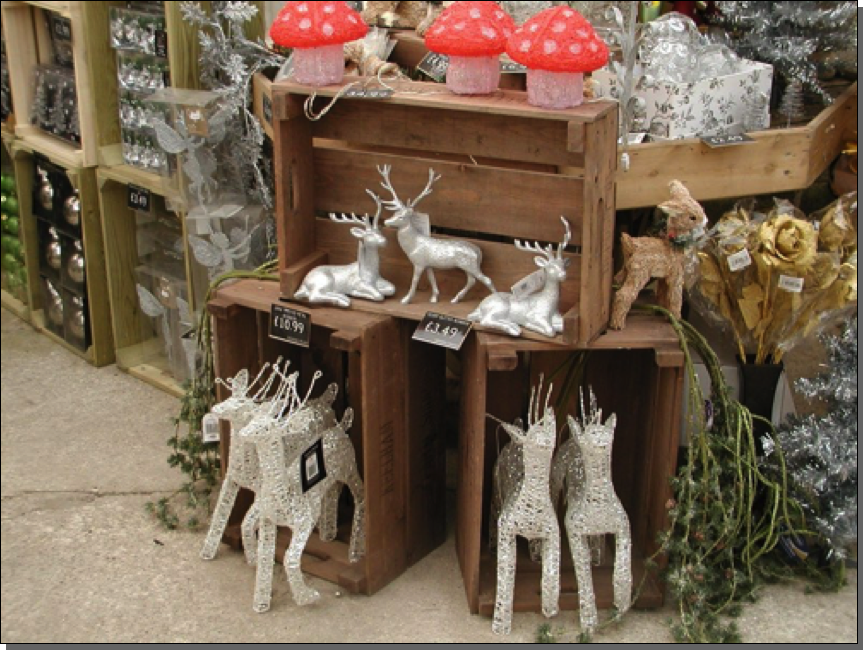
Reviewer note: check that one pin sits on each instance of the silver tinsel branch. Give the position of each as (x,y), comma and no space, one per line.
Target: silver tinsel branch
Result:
(788,34)
(229,61)
(821,451)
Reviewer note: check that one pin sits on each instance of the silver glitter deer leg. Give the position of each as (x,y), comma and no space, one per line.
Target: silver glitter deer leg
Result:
(250,525)
(550,549)
(433,282)
(418,272)
(302,593)
(506,565)
(623,571)
(358,532)
(227,497)
(584,574)
(266,559)
(328,527)
(471,281)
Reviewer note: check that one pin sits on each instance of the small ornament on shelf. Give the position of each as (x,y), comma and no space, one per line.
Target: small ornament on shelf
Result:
(317,31)
(648,258)
(534,302)
(336,285)
(792,105)
(473,35)
(558,46)
(428,253)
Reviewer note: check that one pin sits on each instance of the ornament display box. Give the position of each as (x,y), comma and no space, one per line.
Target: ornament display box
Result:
(140,345)
(396,388)
(779,160)
(25,26)
(97,346)
(637,374)
(17,298)
(508,171)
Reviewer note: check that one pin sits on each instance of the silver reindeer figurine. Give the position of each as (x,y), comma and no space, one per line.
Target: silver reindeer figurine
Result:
(334,284)
(428,253)
(539,311)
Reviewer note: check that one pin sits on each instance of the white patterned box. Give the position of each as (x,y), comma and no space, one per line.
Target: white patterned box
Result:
(703,108)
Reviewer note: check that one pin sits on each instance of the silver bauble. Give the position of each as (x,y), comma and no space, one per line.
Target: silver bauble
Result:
(72,210)
(46,193)
(76,267)
(54,255)
(54,306)
(77,319)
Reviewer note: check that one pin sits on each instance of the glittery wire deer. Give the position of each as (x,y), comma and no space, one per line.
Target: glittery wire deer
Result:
(648,258)
(594,509)
(283,501)
(528,511)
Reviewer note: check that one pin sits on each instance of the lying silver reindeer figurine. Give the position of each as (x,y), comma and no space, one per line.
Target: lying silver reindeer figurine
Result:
(538,312)
(428,253)
(334,284)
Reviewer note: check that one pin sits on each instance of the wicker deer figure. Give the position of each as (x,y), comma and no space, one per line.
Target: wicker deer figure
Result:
(337,284)
(594,509)
(648,258)
(528,511)
(428,253)
(283,499)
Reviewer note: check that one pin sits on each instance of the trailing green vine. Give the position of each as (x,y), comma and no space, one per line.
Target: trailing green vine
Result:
(199,461)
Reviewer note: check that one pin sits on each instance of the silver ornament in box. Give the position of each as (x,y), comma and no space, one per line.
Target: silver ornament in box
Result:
(72,210)
(78,318)
(46,191)
(54,304)
(76,266)
(54,251)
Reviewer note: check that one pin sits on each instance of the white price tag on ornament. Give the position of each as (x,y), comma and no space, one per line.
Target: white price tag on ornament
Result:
(739,261)
(211,430)
(529,286)
(422,222)
(791,285)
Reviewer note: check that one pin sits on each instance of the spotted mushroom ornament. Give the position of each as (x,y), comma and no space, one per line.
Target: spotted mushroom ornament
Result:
(473,35)
(558,46)
(317,31)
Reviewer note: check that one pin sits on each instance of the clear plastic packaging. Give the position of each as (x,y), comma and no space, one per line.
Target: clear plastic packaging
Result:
(139,31)
(55,102)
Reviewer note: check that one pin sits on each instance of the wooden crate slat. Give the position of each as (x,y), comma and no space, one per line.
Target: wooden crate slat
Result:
(467,197)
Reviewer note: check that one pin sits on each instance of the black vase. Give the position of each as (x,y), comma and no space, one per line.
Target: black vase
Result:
(758,394)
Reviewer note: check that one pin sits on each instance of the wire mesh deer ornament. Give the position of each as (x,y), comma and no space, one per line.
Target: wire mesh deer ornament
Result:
(538,311)
(428,253)
(594,509)
(283,501)
(337,284)
(528,511)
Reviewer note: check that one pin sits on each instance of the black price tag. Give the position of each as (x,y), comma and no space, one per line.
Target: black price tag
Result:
(160,48)
(268,109)
(719,141)
(434,65)
(313,469)
(139,199)
(444,331)
(290,326)
(511,67)
(368,93)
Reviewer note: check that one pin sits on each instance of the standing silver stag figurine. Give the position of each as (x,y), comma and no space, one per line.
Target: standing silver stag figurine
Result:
(529,512)
(539,311)
(362,279)
(428,253)
(596,510)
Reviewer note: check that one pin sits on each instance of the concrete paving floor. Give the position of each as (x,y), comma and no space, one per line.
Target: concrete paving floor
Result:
(84,450)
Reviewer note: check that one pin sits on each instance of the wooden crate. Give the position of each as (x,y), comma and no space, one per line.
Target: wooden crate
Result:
(396,390)
(780,160)
(637,374)
(262,101)
(500,162)
(101,350)
(137,352)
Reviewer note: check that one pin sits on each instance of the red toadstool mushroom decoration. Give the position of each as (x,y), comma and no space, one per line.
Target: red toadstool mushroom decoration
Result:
(558,46)
(473,35)
(317,31)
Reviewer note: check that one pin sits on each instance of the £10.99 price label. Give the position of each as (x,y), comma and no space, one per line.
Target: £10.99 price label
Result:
(290,326)
(444,331)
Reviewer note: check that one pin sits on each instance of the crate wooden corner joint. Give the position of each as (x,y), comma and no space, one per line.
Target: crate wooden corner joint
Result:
(395,388)
(508,171)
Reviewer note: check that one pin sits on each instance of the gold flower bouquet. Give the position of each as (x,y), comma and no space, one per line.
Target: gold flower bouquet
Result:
(775,280)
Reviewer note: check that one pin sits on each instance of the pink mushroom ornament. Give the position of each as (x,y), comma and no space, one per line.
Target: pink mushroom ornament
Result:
(473,35)
(558,46)
(317,32)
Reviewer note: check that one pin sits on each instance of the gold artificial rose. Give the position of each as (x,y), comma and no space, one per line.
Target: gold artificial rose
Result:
(788,243)
(837,230)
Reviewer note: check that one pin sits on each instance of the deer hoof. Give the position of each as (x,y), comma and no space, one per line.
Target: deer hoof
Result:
(407,300)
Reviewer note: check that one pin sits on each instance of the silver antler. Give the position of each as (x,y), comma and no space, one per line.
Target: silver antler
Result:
(567,238)
(396,203)
(363,221)
(380,204)
(535,247)
(433,178)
